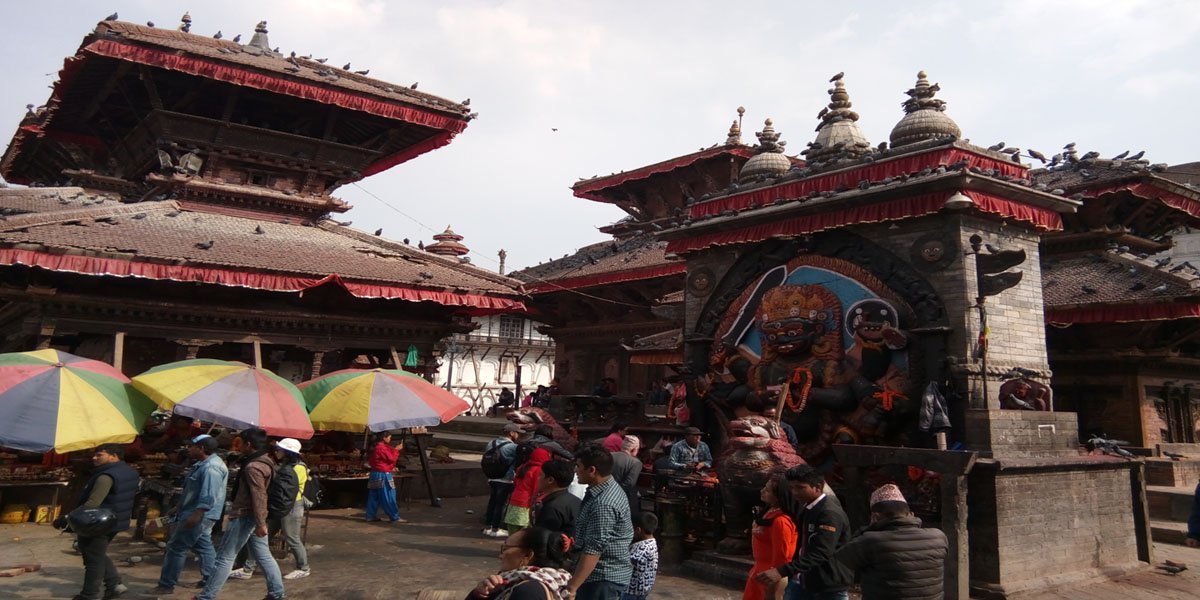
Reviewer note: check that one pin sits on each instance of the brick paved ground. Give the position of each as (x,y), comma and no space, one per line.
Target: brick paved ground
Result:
(440,549)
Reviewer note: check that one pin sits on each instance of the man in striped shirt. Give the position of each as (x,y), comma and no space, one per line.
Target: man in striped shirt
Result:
(603,530)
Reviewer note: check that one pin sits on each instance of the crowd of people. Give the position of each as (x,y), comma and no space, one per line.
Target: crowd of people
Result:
(802,545)
(572,523)
(269,498)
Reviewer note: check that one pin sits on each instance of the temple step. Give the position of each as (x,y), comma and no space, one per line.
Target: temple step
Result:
(468,434)
(462,442)
(1170,503)
(1168,532)
(729,571)
(1172,473)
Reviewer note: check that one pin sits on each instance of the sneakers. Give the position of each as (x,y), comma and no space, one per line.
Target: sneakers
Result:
(115,592)
(487,531)
(298,574)
(500,533)
(242,573)
(158,591)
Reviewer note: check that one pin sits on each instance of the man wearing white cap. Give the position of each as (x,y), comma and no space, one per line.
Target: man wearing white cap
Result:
(895,558)
(200,506)
(287,454)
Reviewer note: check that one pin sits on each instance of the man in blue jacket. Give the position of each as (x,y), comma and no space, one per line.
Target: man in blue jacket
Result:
(200,506)
(506,447)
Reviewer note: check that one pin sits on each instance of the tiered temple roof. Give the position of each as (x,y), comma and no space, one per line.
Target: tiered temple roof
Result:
(206,160)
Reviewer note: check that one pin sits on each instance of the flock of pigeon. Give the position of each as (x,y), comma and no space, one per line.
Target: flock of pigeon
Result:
(297,64)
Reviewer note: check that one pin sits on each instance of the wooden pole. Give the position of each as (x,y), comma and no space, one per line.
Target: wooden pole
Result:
(118,350)
(941,440)
(257,354)
(396,359)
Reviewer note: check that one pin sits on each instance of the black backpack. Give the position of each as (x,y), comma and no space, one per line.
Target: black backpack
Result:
(282,491)
(312,488)
(525,451)
(493,463)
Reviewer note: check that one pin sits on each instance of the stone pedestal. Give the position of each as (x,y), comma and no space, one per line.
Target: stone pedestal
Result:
(1040,523)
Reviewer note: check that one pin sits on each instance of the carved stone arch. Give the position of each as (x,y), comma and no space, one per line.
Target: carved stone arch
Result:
(907,283)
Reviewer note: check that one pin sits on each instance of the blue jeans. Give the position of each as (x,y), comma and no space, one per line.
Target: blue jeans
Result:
(199,539)
(796,591)
(497,502)
(241,533)
(600,590)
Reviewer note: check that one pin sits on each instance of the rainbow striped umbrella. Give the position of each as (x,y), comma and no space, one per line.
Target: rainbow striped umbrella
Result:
(52,400)
(377,400)
(231,393)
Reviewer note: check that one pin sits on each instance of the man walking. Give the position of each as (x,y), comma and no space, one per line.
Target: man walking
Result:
(895,558)
(248,520)
(287,455)
(113,485)
(603,530)
(500,455)
(814,572)
(200,506)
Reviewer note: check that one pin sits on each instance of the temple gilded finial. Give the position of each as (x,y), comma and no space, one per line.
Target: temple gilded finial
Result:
(768,159)
(259,40)
(838,135)
(185,22)
(924,115)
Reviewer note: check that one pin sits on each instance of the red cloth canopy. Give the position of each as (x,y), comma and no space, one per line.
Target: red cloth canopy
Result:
(849,178)
(901,208)
(112,267)
(571,283)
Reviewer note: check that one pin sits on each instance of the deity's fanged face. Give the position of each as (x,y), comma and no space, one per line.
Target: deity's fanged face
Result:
(793,334)
(868,318)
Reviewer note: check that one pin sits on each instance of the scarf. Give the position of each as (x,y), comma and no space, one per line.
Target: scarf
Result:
(555,580)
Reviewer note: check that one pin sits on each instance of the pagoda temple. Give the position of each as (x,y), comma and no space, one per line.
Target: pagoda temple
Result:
(608,300)
(924,285)
(180,201)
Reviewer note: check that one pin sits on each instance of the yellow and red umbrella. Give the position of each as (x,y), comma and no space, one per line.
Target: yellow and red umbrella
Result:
(377,400)
(233,394)
(52,400)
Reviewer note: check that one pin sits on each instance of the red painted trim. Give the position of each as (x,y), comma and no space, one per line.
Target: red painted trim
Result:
(272,83)
(590,189)
(572,283)
(408,153)
(1149,191)
(902,208)
(1123,313)
(849,179)
(112,267)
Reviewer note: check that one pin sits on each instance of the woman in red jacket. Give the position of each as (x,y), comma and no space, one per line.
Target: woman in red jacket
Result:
(773,540)
(381,487)
(524,487)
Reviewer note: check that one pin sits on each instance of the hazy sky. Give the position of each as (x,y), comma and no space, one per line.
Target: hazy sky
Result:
(632,83)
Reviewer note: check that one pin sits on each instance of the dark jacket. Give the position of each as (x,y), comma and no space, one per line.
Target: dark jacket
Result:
(826,528)
(120,497)
(557,512)
(898,560)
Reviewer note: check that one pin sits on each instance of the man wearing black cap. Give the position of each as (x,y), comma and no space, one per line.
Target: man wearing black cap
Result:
(691,454)
(200,506)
